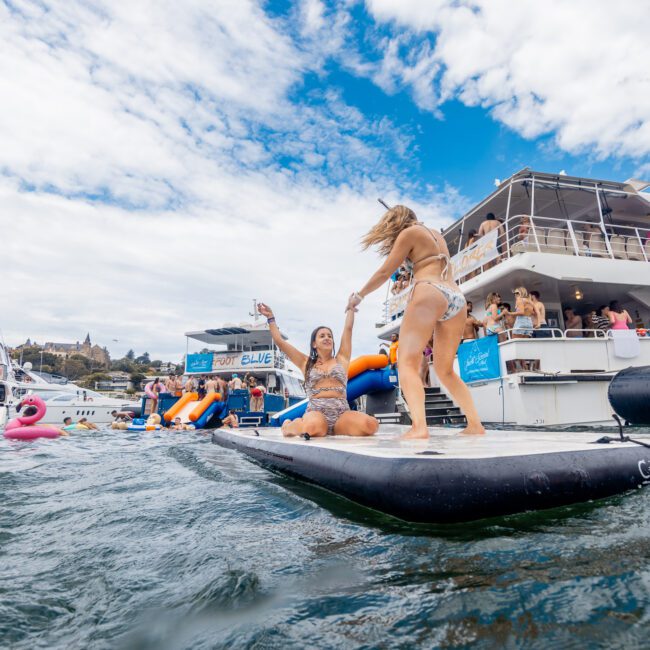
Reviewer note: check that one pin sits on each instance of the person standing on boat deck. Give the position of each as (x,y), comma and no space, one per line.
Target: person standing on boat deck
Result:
(392,349)
(524,311)
(235,382)
(618,317)
(222,388)
(572,321)
(190,385)
(470,331)
(200,387)
(434,304)
(600,318)
(493,315)
(542,330)
(491,223)
(326,378)
(211,386)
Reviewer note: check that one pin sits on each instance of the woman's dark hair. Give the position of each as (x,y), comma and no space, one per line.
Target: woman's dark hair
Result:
(490,216)
(313,355)
(599,311)
(614,306)
(470,234)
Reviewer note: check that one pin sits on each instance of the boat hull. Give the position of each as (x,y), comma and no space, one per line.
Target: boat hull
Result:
(441,481)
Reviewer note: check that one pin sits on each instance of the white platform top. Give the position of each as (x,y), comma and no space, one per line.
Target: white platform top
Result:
(450,443)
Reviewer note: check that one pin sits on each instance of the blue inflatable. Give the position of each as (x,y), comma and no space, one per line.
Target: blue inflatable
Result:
(369,381)
(216,408)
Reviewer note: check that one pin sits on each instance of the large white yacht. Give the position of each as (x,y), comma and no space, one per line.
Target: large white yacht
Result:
(62,397)
(581,243)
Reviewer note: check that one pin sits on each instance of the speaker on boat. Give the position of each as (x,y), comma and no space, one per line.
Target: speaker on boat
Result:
(629,394)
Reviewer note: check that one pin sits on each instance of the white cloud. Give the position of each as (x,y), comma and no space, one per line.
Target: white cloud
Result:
(577,70)
(157,175)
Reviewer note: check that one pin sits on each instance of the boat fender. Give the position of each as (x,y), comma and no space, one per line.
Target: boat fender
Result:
(629,394)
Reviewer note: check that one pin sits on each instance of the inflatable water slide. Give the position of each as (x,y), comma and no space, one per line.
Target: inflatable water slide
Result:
(190,409)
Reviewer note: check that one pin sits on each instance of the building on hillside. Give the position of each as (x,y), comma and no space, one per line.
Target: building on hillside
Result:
(119,381)
(166,367)
(94,352)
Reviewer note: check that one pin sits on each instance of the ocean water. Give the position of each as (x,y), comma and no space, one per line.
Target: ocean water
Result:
(119,540)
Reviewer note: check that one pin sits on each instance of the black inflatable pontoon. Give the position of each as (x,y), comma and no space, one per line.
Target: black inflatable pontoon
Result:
(451,477)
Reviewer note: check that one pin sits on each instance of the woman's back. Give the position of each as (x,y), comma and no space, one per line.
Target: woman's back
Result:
(429,254)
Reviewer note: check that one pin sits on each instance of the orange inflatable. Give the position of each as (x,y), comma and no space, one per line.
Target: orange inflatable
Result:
(203,404)
(367,362)
(170,414)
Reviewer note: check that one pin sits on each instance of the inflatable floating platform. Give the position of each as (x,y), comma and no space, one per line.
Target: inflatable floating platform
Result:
(452,477)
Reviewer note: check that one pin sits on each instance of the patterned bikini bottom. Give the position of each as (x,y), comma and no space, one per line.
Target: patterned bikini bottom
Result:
(455,299)
(331,407)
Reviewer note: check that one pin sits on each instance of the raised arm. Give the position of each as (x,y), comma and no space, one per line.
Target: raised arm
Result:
(295,355)
(345,347)
(401,249)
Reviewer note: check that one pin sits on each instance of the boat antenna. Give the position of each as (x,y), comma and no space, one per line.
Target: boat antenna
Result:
(384,203)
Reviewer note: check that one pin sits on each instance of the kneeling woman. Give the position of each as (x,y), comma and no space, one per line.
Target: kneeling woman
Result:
(326,378)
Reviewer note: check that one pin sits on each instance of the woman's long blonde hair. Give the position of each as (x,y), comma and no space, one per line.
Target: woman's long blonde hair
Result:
(523,293)
(384,233)
(491,300)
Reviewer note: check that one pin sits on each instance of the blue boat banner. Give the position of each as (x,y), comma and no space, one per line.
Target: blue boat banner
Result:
(479,360)
(198,363)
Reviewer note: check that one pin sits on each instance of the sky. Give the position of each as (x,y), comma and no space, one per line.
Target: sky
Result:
(162,164)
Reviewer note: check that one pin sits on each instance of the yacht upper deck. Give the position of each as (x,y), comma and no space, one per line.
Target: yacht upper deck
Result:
(544,213)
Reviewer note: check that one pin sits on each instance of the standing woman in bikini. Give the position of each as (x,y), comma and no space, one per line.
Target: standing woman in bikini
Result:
(435,304)
(326,379)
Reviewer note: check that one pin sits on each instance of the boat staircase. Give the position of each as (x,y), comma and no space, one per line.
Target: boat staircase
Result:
(439,407)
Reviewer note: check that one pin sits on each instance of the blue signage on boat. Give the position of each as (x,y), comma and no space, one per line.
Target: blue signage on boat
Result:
(198,363)
(479,360)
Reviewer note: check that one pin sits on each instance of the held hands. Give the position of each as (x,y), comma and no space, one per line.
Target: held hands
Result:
(353,302)
(265,310)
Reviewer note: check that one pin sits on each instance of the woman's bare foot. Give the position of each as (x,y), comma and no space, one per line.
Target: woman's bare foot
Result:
(474,430)
(416,434)
(287,431)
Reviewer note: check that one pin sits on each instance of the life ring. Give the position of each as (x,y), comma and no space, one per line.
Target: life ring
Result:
(148,391)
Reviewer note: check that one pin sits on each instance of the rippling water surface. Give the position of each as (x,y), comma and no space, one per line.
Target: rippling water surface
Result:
(116,540)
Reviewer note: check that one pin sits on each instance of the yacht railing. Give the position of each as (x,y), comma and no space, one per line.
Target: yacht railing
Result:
(527,233)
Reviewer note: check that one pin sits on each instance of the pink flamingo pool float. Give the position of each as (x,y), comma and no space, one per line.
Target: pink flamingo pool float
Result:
(22,428)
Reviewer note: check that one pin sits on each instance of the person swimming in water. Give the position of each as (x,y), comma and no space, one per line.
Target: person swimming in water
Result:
(326,378)
(434,303)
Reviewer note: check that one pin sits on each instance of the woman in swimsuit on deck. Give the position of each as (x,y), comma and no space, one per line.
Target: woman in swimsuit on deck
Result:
(435,303)
(326,378)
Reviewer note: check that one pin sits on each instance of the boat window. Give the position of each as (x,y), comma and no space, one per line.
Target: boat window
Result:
(62,398)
